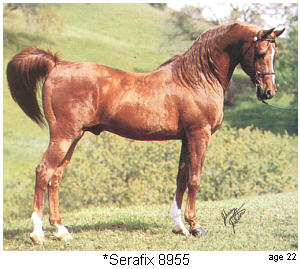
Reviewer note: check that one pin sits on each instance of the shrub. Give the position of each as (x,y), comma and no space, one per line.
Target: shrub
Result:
(249,162)
(109,170)
(113,170)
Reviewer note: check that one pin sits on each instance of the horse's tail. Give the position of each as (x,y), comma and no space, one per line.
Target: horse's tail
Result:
(24,72)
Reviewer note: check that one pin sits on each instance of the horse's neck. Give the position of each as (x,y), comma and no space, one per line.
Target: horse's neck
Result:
(229,55)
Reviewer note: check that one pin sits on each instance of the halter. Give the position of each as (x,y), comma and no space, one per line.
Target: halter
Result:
(258,74)
(255,40)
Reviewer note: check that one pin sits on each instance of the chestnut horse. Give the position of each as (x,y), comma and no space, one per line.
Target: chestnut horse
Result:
(181,99)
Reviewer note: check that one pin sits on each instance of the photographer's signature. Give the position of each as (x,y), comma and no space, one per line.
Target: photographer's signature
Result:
(233,216)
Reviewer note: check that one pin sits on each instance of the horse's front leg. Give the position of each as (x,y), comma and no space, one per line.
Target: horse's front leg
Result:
(182,177)
(198,142)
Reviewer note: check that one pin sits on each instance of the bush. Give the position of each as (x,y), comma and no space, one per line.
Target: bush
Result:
(109,170)
(113,170)
(249,162)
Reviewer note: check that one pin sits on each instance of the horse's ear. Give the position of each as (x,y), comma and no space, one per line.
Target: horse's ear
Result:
(279,32)
(265,33)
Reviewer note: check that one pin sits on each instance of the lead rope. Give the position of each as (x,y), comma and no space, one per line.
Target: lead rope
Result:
(280,107)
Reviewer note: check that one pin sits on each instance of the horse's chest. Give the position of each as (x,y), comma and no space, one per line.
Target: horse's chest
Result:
(203,111)
(215,115)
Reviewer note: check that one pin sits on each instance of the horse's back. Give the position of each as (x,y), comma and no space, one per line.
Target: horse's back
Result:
(134,105)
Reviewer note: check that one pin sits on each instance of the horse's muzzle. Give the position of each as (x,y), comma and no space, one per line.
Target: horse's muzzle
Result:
(263,94)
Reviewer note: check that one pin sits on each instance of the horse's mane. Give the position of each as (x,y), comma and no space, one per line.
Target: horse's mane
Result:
(197,66)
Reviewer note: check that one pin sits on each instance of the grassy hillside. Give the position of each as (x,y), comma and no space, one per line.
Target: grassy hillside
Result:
(269,224)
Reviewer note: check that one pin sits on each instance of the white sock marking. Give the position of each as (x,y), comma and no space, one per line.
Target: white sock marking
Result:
(37,224)
(176,216)
(61,230)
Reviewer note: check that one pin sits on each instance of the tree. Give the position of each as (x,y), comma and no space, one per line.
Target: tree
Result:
(188,23)
(36,14)
(260,14)
(287,61)
(160,6)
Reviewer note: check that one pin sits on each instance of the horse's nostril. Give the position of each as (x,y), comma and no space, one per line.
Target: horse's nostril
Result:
(269,92)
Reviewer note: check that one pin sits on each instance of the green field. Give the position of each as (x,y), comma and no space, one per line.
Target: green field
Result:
(270,224)
(133,37)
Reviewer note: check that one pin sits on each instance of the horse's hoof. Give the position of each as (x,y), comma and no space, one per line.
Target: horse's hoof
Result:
(62,233)
(37,239)
(198,231)
(64,237)
(180,230)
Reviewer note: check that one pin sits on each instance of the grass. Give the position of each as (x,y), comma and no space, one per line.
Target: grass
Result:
(270,224)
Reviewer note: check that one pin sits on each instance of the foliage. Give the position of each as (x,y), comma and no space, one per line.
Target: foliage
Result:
(247,110)
(161,6)
(39,14)
(257,13)
(248,162)
(109,170)
(188,23)
(240,83)
(287,64)
(249,13)
(114,170)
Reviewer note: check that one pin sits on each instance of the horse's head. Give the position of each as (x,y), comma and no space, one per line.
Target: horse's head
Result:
(258,60)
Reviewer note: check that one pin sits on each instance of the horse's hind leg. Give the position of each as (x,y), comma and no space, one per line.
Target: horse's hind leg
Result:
(53,158)
(53,185)
(182,178)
